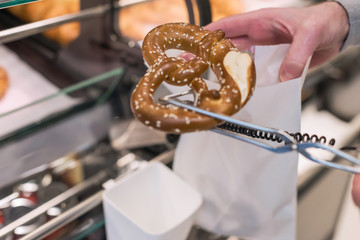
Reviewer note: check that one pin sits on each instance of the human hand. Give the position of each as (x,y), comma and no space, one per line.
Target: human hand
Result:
(318,30)
(355,191)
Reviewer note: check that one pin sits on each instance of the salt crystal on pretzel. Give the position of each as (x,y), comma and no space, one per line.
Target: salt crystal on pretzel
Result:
(234,70)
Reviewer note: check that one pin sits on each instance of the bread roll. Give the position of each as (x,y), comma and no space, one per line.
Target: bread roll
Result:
(45,9)
(134,22)
(224,8)
(4,82)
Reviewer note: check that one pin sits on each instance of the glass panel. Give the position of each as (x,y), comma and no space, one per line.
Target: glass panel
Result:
(57,106)
(45,9)
(136,21)
(10,3)
(225,8)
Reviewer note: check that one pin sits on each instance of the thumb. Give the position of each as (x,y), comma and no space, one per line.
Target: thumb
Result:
(356,189)
(187,56)
(296,58)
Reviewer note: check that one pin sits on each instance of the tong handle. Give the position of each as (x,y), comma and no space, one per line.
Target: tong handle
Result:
(301,148)
(282,134)
(290,143)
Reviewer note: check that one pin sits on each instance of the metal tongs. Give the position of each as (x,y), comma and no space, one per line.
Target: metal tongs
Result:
(290,143)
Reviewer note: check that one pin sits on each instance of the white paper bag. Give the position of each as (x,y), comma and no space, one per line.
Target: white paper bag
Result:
(248,192)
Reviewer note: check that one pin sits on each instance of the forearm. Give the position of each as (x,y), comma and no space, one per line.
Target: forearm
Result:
(353,10)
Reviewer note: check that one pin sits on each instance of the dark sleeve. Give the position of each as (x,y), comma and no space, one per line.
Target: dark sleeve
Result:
(353,10)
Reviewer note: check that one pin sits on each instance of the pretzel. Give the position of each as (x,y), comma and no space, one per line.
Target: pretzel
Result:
(235,72)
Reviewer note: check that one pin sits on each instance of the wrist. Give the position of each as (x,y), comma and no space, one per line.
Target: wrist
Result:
(343,17)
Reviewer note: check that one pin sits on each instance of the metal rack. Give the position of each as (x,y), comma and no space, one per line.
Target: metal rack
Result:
(98,12)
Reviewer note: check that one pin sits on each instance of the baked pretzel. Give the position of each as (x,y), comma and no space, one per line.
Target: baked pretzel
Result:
(235,72)
(4,83)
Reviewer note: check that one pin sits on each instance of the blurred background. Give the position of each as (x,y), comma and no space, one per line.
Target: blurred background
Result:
(69,67)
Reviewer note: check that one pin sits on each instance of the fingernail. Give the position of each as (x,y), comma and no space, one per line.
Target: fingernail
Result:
(286,76)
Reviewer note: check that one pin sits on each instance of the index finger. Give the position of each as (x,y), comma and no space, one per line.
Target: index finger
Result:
(235,25)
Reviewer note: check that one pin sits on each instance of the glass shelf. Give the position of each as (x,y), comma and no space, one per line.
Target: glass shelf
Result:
(55,107)
(11,3)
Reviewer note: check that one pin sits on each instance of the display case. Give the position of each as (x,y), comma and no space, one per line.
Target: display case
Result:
(67,108)
(67,126)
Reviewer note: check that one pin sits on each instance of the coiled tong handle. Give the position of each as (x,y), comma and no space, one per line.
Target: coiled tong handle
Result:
(290,144)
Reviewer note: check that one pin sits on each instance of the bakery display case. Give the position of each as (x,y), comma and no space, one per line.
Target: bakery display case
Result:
(67,127)
(67,123)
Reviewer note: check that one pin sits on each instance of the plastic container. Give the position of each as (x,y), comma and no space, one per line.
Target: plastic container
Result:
(151,203)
